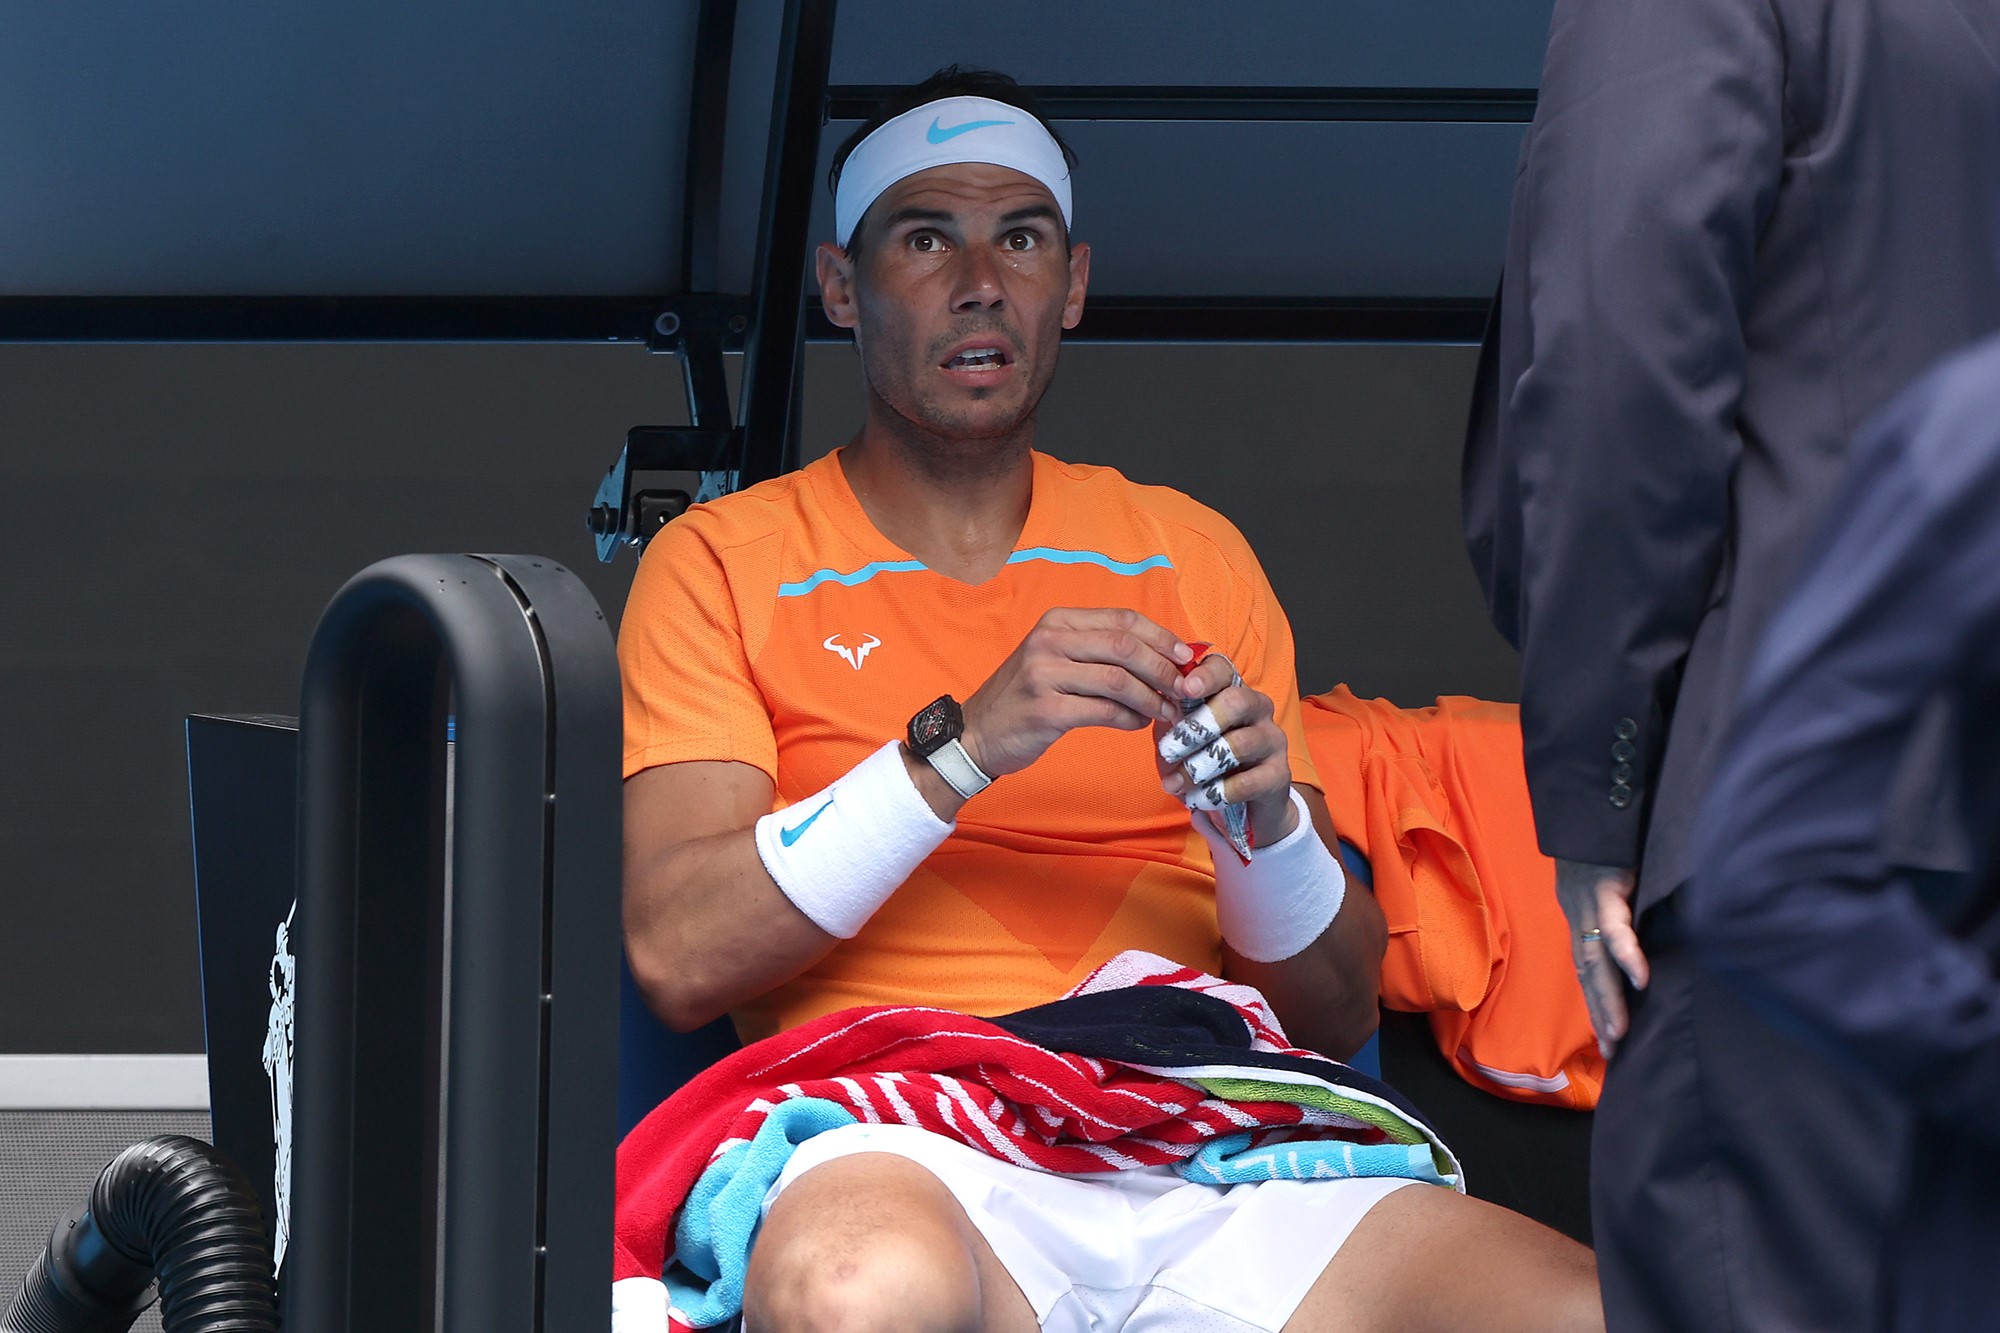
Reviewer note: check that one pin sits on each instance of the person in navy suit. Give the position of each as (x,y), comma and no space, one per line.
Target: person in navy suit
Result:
(1739,228)
(1793,901)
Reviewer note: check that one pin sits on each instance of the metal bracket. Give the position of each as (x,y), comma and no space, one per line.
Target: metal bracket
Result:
(698,328)
(698,319)
(620,516)
(760,440)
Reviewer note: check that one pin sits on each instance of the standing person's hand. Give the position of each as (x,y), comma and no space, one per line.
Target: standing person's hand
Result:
(1598,902)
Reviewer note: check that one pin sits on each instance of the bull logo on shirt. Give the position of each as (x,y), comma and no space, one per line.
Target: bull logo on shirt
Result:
(854,657)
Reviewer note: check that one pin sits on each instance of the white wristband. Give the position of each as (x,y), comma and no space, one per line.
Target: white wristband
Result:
(1278,903)
(839,854)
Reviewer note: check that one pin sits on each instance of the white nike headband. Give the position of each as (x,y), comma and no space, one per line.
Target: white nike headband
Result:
(937,134)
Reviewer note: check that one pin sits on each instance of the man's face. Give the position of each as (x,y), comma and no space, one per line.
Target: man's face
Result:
(958,289)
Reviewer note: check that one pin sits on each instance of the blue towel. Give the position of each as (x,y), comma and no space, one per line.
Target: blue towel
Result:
(1225,1162)
(719,1221)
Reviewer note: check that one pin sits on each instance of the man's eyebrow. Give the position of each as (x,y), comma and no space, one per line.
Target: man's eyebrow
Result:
(913,213)
(1030,212)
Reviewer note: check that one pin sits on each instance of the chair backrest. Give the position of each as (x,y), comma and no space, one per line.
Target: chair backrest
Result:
(653,1059)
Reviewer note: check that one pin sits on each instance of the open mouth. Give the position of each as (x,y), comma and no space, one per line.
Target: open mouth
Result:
(979,358)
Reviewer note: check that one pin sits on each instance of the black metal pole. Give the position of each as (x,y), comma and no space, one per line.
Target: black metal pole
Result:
(1267,104)
(700,346)
(708,124)
(772,363)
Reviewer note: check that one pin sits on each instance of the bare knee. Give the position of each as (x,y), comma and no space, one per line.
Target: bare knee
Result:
(854,1247)
(859,1285)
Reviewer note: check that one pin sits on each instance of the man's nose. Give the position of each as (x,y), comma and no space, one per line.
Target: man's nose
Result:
(978,286)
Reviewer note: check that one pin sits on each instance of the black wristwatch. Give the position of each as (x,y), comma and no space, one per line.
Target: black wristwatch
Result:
(934,738)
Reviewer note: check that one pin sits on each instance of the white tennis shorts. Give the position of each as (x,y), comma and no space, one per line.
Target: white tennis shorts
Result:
(1141,1251)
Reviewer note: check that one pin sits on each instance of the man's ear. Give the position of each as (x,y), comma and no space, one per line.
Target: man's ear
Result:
(836,285)
(1079,279)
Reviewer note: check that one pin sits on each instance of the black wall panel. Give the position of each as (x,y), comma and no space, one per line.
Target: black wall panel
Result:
(227,147)
(172,519)
(399,148)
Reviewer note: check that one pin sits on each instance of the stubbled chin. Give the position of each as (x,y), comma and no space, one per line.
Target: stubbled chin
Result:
(983,419)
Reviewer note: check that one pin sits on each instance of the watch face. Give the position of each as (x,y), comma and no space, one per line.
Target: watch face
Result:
(937,723)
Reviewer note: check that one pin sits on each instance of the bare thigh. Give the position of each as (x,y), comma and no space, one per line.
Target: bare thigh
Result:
(873,1241)
(1426,1258)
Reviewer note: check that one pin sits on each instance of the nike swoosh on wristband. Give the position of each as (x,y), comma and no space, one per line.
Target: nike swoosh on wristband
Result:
(938,134)
(788,836)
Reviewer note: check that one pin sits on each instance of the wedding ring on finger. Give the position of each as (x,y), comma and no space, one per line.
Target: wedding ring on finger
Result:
(1199,728)
(1592,937)
(1210,762)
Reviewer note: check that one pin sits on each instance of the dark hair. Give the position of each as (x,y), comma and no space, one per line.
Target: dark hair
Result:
(951,81)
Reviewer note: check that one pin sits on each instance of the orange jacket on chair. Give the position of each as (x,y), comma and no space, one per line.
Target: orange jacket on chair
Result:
(1437,800)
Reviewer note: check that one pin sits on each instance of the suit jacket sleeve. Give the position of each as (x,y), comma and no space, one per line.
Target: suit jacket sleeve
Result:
(1792,896)
(1651,167)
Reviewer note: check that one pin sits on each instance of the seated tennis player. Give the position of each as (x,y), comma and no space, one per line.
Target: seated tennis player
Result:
(928,722)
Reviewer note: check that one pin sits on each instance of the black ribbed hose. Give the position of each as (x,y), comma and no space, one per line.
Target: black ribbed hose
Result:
(171,1208)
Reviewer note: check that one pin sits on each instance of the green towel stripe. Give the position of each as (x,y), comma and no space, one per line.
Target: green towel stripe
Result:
(1398,1129)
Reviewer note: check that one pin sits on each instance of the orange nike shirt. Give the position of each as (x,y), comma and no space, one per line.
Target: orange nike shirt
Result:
(776,627)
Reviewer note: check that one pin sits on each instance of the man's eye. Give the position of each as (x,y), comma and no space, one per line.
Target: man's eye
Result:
(1021,240)
(923,241)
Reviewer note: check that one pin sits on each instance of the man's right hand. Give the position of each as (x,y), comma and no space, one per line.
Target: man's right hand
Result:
(1076,668)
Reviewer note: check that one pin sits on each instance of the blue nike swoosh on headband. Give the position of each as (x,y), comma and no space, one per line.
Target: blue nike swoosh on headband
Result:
(788,836)
(938,134)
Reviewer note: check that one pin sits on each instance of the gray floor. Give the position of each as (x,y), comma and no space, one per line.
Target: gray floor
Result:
(48,1162)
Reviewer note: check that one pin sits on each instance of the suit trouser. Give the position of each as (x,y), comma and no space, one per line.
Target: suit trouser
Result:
(1945,1270)
(1738,1179)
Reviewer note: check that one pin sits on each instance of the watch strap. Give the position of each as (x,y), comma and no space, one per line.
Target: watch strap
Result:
(956,767)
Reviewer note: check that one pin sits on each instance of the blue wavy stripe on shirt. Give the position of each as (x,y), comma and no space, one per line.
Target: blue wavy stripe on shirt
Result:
(861,575)
(1060,557)
(1049,553)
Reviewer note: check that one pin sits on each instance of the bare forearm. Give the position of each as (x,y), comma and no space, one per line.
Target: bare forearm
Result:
(711,921)
(1325,995)
(706,929)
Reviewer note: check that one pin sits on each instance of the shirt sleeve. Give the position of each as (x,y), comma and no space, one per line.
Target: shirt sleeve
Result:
(689,690)
(1646,180)
(1792,897)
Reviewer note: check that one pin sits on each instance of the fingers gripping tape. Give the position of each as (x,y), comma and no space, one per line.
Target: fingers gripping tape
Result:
(839,854)
(1196,728)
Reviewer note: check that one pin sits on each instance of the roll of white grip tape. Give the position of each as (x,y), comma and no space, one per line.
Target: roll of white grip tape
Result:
(1274,906)
(838,855)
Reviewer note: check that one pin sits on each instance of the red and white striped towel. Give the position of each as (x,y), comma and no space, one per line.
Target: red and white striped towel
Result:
(958,1076)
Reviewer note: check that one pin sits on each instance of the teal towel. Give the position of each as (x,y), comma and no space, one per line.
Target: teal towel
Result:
(1225,1162)
(719,1221)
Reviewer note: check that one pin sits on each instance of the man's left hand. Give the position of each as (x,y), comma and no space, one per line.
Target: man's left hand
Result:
(1247,757)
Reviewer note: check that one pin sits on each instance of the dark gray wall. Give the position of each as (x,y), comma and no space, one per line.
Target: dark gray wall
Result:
(172,519)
